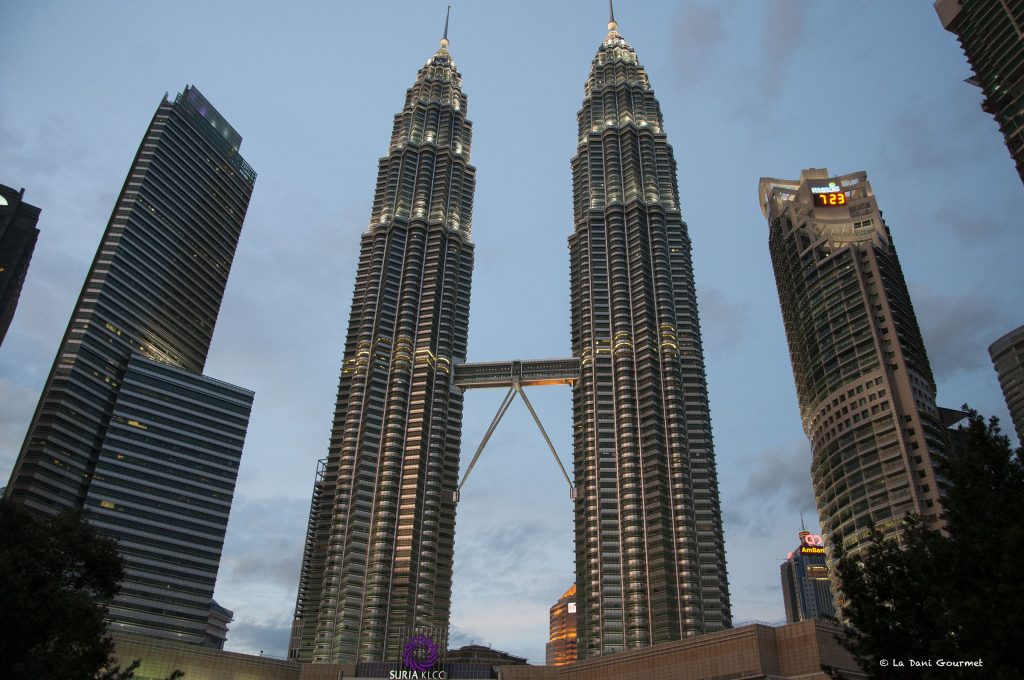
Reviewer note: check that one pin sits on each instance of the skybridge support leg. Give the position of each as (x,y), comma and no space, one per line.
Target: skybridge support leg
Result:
(502,408)
(519,390)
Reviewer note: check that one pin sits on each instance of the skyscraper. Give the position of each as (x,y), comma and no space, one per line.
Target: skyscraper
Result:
(127,429)
(650,560)
(1008,358)
(806,589)
(18,235)
(561,647)
(991,33)
(863,381)
(378,562)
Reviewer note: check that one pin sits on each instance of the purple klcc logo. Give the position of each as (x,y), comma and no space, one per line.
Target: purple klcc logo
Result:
(424,661)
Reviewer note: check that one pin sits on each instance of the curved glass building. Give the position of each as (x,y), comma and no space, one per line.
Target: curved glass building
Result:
(863,381)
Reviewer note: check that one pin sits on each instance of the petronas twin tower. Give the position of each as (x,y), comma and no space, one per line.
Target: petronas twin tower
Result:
(650,560)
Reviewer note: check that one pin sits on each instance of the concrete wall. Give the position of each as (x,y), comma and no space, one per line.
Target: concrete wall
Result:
(161,657)
(797,650)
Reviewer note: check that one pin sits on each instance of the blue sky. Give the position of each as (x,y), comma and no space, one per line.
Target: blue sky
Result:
(748,89)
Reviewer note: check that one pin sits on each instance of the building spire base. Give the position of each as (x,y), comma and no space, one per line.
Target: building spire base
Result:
(444,37)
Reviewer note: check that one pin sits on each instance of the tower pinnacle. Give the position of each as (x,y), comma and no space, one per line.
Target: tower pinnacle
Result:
(444,38)
(612,24)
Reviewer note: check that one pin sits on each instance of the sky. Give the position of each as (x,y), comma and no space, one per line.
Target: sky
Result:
(748,88)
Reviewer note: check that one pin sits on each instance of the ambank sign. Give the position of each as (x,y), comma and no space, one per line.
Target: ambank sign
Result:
(420,655)
(812,544)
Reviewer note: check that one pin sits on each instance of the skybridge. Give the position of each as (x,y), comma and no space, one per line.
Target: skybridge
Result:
(515,375)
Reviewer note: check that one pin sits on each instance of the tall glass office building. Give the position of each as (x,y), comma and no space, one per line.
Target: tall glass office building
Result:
(806,588)
(650,559)
(378,561)
(127,429)
(863,381)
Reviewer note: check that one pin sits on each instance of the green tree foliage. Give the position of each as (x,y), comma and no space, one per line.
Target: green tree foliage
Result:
(54,575)
(957,596)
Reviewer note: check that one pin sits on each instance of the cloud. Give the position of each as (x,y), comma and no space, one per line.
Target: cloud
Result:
(518,546)
(259,571)
(778,484)
(260,548)
(18,404)
(698,36)
(975,228)
(783,36)
(910,143)
(723,321)
(269,637)
(460,638)
(513,559)
(957,331)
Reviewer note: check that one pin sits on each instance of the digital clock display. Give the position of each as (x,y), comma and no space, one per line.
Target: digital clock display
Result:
(829,199)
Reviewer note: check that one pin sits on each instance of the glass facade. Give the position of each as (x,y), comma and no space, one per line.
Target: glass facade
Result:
(863,381)
(134,348)
(650,559)
(806,588)
(561,647)
(162,486)
(378,561)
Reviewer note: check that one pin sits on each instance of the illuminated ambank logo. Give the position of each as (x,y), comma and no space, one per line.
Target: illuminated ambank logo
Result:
(812,544)
(419,655)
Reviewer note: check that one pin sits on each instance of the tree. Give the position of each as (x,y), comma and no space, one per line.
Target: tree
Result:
(55,574)
(956,596)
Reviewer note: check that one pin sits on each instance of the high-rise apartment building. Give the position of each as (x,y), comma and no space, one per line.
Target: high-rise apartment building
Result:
(378,560)
(991,33)
(561,647)
(863,381)
(650,560)
(127,429)
(806,588)
(1008,358)
(18,235)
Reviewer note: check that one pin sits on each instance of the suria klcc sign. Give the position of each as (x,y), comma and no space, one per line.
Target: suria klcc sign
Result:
(419,655)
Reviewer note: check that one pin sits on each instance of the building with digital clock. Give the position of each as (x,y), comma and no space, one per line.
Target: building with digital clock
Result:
(863,381)
(128,429)
(806,588)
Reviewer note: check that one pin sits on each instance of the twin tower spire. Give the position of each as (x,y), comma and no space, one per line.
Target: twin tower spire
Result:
(649,554)
(612,24)
(444,38)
